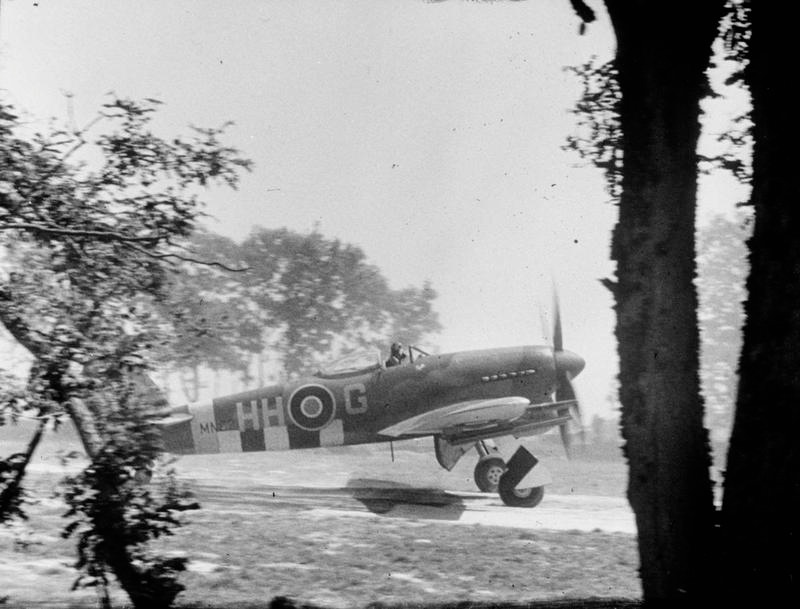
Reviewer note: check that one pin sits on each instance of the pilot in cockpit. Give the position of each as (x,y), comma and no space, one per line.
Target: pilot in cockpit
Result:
(396,356)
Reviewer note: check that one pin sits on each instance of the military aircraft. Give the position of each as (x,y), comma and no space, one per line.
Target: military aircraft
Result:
(467,399)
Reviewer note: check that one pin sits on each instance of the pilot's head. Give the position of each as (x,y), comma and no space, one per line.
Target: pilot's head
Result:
(397,348)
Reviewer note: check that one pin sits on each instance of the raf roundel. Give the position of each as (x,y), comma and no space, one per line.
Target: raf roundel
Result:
(312,407)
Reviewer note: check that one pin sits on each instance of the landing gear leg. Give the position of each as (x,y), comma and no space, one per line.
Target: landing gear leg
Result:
(490,467)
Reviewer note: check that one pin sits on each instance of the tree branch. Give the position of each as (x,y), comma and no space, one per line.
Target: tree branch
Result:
(165,255)
(73,232)
(80,143)
(121,238)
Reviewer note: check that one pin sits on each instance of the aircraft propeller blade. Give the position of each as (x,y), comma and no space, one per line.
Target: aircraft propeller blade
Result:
(566,439)
(565,363)
(565,391)
(545,327)
(558,339)
(576,408)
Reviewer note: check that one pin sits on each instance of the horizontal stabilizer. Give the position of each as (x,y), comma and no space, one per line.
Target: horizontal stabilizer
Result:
(173,419)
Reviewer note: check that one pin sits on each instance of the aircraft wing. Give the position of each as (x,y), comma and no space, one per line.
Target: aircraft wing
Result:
(479,419)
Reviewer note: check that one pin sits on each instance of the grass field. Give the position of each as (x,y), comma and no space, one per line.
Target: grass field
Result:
(239,556)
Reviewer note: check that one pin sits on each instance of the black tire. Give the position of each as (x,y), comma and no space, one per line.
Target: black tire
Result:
(520,497)
(488,472)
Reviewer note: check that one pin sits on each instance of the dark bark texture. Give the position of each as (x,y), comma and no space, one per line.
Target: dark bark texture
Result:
(760,504)
(663,50)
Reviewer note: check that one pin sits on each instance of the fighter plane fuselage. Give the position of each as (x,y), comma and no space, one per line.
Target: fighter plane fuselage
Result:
(330,409)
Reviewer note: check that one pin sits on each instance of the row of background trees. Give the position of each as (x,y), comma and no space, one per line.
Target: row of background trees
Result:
(300,300)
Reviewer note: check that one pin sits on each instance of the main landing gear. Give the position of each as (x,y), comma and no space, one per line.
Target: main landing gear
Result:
(493,474)
(524,497)
(488,472)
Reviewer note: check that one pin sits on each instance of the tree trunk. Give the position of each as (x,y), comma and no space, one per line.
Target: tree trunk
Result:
(18,327)
(662,53)
(85,423)
(762,482)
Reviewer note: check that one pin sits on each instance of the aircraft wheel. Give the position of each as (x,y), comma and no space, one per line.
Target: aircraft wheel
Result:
(521,497)
(488,472)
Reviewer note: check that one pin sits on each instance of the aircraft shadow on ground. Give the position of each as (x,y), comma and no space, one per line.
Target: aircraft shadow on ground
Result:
(390,498)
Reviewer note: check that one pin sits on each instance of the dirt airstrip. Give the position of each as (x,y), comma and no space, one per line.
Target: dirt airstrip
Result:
(349,527)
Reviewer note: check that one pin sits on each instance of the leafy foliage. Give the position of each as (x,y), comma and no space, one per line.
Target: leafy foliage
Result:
(12,496)
(90,248)
(736,142)
(12,398)
(598,137)
(734,32)
(135,204)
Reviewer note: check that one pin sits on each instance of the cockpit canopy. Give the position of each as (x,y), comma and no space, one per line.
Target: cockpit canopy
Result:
(362,361)
(357,362)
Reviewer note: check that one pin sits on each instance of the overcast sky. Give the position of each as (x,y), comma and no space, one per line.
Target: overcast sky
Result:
(428,134)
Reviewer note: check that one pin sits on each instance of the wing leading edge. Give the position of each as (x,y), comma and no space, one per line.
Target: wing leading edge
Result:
(477,419)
